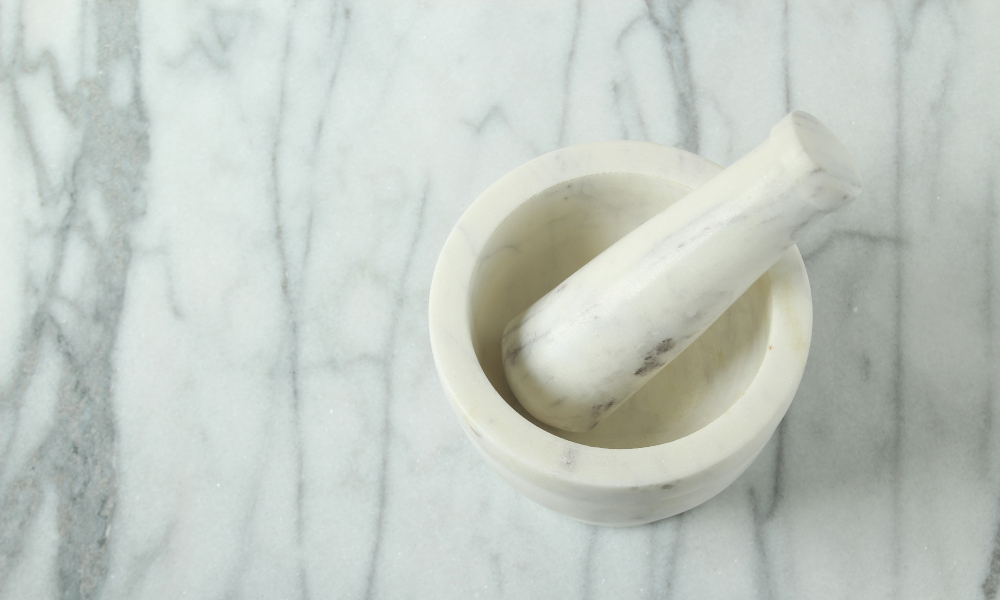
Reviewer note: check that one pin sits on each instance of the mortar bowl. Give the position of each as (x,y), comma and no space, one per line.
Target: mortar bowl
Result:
(695,426)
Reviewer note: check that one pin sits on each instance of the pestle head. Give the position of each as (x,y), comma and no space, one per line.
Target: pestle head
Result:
(585,347)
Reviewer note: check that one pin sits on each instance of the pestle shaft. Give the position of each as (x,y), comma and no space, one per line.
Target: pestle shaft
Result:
(584,348)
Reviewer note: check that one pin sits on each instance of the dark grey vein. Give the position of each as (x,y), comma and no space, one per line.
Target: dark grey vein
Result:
(395,320)
(760,518)
(667,17)
(991,584)
(292,310)
(77,457)
(568,73)
(786,58)
(335,74)
(588,564)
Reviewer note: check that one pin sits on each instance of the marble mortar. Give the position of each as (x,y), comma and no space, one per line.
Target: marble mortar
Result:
(695,426)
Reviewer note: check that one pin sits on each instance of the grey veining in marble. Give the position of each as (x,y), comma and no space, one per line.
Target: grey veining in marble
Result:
(89,193)
(218,224)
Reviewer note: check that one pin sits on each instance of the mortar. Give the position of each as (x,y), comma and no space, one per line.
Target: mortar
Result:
(693,428)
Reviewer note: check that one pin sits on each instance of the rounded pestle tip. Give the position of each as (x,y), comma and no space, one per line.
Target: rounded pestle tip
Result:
(802,132)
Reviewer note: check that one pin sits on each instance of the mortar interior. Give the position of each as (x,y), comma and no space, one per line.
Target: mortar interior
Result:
(553,234)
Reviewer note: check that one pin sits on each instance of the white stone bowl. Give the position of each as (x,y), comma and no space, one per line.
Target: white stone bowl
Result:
(694,427)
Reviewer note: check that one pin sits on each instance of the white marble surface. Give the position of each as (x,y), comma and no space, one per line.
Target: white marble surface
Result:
(217,229)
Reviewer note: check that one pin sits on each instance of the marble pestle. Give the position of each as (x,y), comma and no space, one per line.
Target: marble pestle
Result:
(584,348)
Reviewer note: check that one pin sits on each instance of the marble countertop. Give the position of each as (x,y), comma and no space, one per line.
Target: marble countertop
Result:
(218,224)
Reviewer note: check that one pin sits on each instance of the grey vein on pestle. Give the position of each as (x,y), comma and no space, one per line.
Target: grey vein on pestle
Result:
(585,347)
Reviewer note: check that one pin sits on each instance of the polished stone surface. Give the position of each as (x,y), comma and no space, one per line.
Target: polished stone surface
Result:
(219,223)
(584,349)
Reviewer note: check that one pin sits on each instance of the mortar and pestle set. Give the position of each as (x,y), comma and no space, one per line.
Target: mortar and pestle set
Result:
(621,326)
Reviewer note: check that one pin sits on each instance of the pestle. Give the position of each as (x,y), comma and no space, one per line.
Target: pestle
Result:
(585,347)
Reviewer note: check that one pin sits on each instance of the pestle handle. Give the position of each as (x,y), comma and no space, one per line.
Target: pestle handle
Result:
(585,347)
